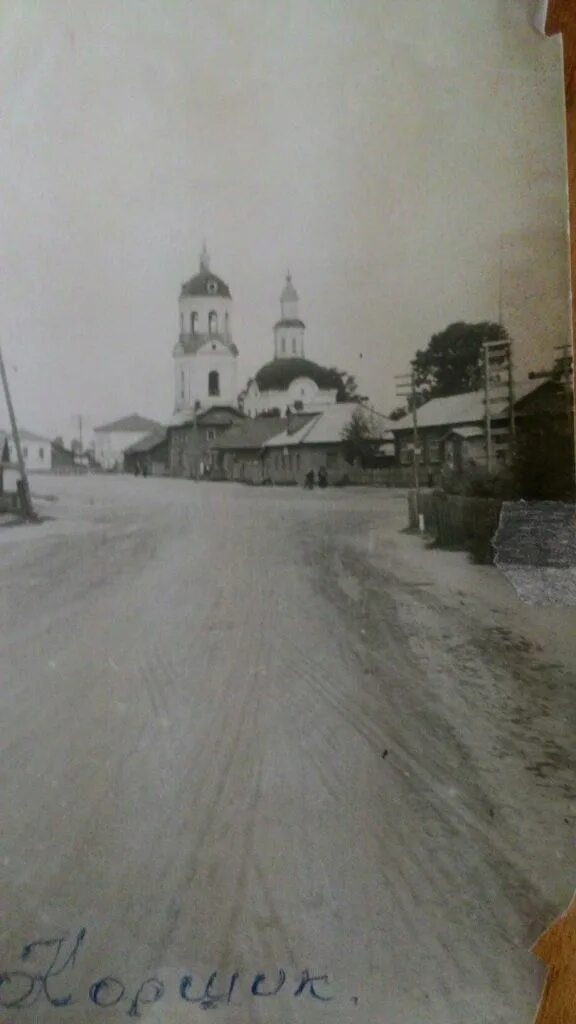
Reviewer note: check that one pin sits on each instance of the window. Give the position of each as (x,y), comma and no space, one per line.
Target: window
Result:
(193,319)
(41,453)
(25,452)
(283,345)
(212,322)
(297,461)
(294,344)
(226,323)
(331,458)
(182,323)
(213,383)
(210,435)
(182,384)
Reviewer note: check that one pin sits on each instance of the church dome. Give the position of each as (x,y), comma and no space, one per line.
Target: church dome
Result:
(279,374)
(205,283)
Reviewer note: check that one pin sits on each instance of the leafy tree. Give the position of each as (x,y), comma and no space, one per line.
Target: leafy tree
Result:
(452,361)
(357,439)
(398,412)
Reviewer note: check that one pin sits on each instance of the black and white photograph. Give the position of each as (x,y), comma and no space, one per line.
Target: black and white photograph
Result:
(287,485)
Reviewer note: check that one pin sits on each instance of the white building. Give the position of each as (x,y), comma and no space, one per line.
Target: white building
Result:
(290,381)
(36,450)
(112,439)
(205,357)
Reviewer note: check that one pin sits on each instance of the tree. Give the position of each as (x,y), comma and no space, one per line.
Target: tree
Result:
(357,438)
(452,361)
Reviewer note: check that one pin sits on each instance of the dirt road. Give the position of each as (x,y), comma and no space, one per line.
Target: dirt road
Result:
(263,733)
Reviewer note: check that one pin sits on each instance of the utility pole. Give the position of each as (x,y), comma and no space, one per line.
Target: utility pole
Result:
(498,388)
(406,388)
(26,500)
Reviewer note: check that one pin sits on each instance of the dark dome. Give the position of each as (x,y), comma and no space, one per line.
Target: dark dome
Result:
(279,374)
(206,283)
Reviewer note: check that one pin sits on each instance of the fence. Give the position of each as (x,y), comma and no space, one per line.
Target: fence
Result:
(457,522)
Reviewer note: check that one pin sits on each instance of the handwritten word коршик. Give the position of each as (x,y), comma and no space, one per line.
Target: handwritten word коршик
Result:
(53,983)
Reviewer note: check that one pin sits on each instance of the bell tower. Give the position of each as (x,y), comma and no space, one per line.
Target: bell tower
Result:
(289,329)
(205,356)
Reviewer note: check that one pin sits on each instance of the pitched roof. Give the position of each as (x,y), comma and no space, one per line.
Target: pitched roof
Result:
(130,424)
(327,427)
(252,433)
(146,444)
(459,409)
(25,435)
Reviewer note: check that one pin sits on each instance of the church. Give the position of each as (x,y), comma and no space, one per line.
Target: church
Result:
(206,400)
(205,372)
(290,382)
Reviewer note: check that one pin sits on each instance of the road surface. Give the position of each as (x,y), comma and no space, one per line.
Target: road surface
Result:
(262,732)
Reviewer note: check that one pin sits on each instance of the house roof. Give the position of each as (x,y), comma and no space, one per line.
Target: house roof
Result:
(215,416)
(459,409)
(252,433)
(130,424)
(470,430)
(327,427)
(25,435)
(148,443)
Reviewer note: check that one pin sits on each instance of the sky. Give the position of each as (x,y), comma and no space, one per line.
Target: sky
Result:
(404,160)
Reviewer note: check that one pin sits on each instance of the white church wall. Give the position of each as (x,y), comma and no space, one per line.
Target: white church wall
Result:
(203,305)
(193,372)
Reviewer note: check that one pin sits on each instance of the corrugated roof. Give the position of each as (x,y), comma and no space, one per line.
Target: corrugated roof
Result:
(459,409)
(131,423)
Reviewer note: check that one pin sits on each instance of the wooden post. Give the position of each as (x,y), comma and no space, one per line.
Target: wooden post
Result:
(487,401)
(27,510)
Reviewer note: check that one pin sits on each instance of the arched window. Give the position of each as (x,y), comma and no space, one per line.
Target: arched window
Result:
(193,319)
(212,323)
(213,383)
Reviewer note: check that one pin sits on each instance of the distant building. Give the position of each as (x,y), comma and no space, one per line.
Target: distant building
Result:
(151,453)
(318,443)
(36,450)
(290,381)
(452,430)
(190,443)
(239,452)
(112,439)
(62,457)
(205,356)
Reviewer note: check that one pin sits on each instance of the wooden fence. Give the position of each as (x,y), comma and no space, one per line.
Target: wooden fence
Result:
(457,522)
